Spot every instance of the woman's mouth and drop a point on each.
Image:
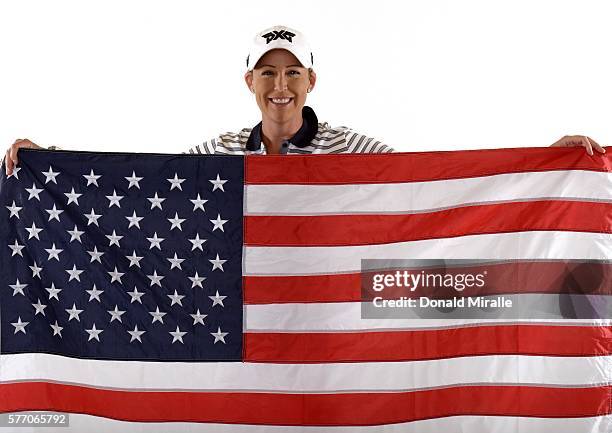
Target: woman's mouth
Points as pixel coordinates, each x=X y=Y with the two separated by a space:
x=280 y=101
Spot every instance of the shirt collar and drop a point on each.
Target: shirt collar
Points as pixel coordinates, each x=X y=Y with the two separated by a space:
x=302 y=137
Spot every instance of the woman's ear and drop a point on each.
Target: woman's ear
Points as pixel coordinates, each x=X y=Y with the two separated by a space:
x=312 y=77
x=248 y=79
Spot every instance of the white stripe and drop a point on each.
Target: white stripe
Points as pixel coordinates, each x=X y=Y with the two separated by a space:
x=455 y=424
x=346 y=316
x=504 y=246
x=309 y=378
x=420 y=196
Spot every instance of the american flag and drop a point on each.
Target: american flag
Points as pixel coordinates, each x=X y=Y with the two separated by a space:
x=222 y=293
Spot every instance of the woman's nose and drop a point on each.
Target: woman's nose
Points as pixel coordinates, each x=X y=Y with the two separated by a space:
x=280 y=83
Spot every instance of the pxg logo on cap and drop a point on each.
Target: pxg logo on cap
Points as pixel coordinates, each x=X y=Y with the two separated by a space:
x=280 y=37
x=278 y=34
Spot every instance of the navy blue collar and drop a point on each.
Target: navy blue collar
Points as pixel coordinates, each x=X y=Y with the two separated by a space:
x=302 y=137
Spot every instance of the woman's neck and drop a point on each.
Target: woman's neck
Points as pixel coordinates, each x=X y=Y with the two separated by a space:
x=273 y=134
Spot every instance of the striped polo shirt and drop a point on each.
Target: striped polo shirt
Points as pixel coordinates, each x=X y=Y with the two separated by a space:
x=312 y=137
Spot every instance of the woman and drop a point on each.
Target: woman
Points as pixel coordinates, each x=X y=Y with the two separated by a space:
x=280 y=74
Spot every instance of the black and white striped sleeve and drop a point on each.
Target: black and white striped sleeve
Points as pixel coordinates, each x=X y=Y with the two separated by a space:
x=358 y=143
x=207 y=147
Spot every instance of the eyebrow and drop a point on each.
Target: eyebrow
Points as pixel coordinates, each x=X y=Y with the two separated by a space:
x=290 y=66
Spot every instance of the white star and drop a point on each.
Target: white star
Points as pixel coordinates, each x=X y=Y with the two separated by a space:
x=156 y=201
x=174 y=262
x=36 y=270
x=176 y=222
x=217 y=299
x=176 y=298
x=73 y=197
x=54 y=213
x=53 y=291
x=75 y=234
x=34 y=192
x=114 y=199
x=18 y=287
x=219 y=336
x=155 y=241
x=40 y=308
x=176 y=335
x=136 y=295
x=157 y=316
x=134 y=259
x=115 y=314
x=95 y=255
x=16 y=248
x=218 y=223
x=53 y=252
x=136 y=334
x=175 y=182
x=155 y=279
x=50 y=175
x=92 y=178
x=134 y=220
x=94 y=333
x=198 y=318
x=197 y=242
x=94 y=293
x=57 y=330
x=217 y=263
x=33 y=231
x=74 y=313
x=217 y=183
x=14 y=173
x=20 y=326
x=196 y=280
x=92 y=218
x=114 y=239
x=133 y=180
x=14 y=210
x=74 y=274
x=198 y=203
x=115 y=275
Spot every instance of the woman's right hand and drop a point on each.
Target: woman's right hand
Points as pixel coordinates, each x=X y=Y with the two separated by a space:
x=10 y=159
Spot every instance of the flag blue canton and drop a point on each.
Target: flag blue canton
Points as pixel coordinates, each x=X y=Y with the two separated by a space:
x=122 y=256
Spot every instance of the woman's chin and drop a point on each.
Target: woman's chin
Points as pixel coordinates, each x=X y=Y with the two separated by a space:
x=283 y=113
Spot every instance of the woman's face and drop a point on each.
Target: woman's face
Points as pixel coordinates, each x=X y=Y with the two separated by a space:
x=280 y=84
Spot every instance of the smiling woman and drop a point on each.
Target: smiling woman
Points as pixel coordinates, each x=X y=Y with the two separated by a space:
x=280 y=74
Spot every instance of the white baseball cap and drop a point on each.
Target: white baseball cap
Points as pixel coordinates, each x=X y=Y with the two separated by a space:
x=281 y=37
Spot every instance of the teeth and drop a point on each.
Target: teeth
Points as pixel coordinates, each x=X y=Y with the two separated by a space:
x=281 y=100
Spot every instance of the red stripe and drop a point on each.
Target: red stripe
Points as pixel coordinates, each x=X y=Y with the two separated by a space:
x=554 y=277
x=306 y=288
x=337 y=230
x=416 y=345
x=418 y=166
x=308 y=409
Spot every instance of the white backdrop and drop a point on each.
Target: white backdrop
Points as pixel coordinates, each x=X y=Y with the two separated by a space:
x=160 y=76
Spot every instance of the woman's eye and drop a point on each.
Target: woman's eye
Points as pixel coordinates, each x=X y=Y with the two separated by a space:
x=266 y=73
x=294 y=72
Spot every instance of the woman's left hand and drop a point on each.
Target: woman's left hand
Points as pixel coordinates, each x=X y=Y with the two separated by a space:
x=579 y=140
